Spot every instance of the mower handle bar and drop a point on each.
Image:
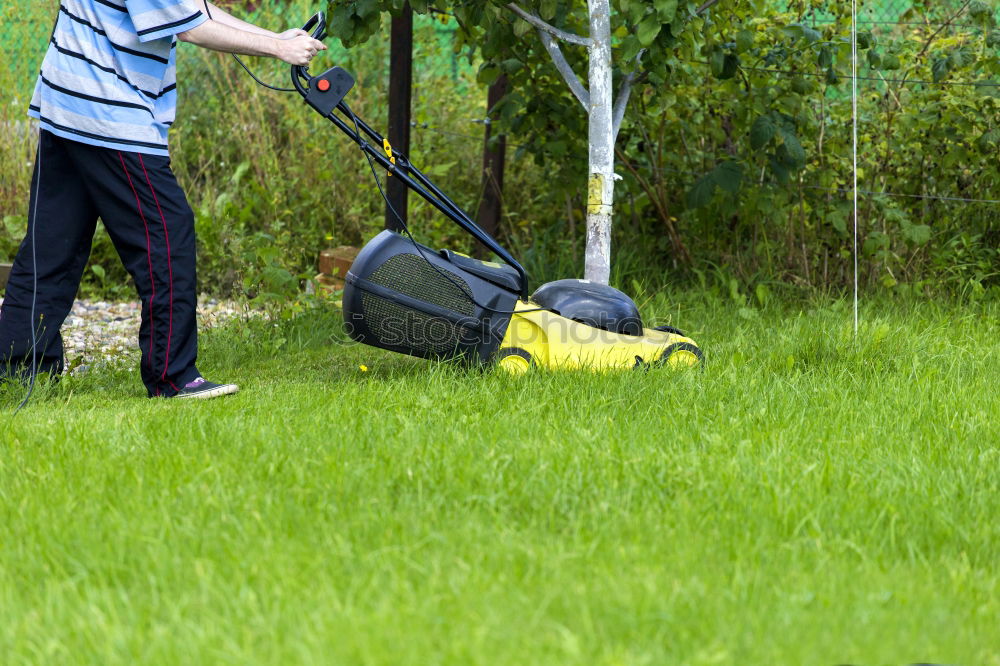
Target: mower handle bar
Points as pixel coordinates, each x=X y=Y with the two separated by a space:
x=415 y=179
x=408 y=174
x=319 y=21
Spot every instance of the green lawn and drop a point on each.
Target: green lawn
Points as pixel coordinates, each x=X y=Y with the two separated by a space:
x=804 y=500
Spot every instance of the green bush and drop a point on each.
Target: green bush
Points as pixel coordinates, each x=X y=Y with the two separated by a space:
x=744 y=161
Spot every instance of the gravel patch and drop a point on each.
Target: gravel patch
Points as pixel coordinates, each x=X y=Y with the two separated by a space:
x=98 y=332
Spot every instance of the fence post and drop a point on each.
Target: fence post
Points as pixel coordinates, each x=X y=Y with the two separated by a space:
x=400 y=94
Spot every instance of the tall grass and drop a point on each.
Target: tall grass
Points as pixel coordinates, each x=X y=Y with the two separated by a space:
x=806 y=498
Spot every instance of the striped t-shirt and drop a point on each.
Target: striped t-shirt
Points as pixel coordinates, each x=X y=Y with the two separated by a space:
x=109 y=76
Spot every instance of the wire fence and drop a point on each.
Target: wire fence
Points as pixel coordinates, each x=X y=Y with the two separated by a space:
x=24 y=37
x=887 y=12
x=26 y=24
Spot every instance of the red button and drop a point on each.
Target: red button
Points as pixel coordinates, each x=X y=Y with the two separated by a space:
x=323 y=85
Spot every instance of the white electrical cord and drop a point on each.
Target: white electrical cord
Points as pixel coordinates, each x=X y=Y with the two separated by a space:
x=854 y=101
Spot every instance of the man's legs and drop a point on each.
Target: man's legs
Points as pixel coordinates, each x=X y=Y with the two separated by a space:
x=152 y=226
x=63 y=232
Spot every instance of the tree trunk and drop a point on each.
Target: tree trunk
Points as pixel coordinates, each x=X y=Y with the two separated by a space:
x=490 y=206
x=400 y=94
x=601 y=185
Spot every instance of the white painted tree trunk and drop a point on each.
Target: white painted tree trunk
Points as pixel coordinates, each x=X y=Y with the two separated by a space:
x=600 y=192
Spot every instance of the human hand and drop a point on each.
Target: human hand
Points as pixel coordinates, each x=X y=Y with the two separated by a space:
x=294 y=32
x=299 y=49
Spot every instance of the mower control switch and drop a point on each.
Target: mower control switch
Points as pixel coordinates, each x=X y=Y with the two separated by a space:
x=328 y=90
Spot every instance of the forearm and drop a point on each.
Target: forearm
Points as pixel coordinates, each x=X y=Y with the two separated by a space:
x=218 y=36
x=232 y=35
x=225 y=18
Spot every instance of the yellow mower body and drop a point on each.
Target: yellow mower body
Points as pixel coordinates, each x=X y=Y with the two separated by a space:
x=542 y=338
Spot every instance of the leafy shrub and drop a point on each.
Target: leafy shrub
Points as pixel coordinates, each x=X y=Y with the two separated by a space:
x=757 y=126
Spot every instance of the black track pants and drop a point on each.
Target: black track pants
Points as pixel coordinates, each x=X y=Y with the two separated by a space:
x=152 y=227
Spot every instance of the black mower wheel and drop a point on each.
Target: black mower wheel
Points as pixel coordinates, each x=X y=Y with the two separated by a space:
x=681 y=354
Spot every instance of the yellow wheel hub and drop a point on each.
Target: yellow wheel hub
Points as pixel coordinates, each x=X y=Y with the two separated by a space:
x=682 y=359
x=516 y=361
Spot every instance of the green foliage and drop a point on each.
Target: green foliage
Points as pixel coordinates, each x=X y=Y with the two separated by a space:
x=10 y=234
x=784 y=116
x=748 y=90
x=735 y=150
x=550 y=124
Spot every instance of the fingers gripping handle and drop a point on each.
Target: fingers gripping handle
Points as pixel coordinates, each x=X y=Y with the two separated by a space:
x=318 y=26
x=318 y=21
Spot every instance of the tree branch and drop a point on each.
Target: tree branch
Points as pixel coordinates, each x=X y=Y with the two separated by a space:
x=570 y=37
x=620 y=103
x=708 y=4
x=954 y=17
x=565 y=69
x=624 y=92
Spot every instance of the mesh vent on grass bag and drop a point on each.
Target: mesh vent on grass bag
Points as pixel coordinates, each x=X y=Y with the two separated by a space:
x=400 y=326
x=409 y=274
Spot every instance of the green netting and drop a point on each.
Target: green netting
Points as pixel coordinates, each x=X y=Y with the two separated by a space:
x=24 y=31
x=904 y=11
x=25 y=26
x=886 y=13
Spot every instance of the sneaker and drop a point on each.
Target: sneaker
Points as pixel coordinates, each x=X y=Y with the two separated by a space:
x=202 y=389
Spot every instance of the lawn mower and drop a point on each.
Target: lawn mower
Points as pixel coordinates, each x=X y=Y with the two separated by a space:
x=408 y=298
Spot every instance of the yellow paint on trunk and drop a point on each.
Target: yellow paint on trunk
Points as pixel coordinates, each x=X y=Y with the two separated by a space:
x=596 y=205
